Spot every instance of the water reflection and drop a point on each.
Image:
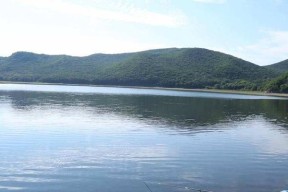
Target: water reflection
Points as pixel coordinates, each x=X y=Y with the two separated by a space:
x=188 y=112
x=95 y=142
x=124 y=91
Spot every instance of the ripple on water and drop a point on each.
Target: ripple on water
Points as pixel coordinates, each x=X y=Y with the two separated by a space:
x=87 y=142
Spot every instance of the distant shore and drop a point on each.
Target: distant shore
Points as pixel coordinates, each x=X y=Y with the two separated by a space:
x=241 y=92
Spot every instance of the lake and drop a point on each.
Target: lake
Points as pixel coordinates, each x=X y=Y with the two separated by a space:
x=102 y=139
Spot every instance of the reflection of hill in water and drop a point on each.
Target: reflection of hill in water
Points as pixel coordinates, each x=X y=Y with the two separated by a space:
x=183 y=111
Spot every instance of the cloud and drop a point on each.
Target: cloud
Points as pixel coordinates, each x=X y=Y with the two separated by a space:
x=70 y=43
x=62 y=27
x=210 y=1
x=119 y=12
x=272 y=48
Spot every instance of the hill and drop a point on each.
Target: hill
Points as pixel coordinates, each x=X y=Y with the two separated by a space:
x=278 y=85
x=186 y=67
x=281 y=67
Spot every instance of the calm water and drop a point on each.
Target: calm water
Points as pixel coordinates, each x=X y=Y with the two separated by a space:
x=99 y=139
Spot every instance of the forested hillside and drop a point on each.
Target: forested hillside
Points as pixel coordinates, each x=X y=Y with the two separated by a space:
x=187 y=68
x=280 y=67
x=278 y=85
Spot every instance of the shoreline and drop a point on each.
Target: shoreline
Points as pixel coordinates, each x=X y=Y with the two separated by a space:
x=224 y=91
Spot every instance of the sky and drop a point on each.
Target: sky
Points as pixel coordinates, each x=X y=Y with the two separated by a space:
x=254 y=30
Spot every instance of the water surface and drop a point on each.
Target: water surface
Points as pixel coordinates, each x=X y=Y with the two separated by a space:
x=74 y=138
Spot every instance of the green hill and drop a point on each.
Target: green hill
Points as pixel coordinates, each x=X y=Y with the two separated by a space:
x=187 y=68
x=278 y=85
x=281 y=67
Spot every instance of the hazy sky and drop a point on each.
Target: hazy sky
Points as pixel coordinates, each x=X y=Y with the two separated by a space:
x=255 y=30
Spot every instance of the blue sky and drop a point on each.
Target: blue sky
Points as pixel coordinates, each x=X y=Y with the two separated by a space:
x=255 y=30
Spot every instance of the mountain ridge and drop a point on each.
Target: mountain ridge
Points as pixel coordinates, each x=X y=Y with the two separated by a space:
x=284 y=62
x=280 y=67
x=170 y=67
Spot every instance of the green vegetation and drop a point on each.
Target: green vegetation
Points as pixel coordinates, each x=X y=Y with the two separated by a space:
x=183 y=68
x=280 y=67
x=278 y=85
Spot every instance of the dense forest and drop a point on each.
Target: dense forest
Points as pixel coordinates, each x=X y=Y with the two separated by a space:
x=280 y=67
x=185 y=68
x=278 y=85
